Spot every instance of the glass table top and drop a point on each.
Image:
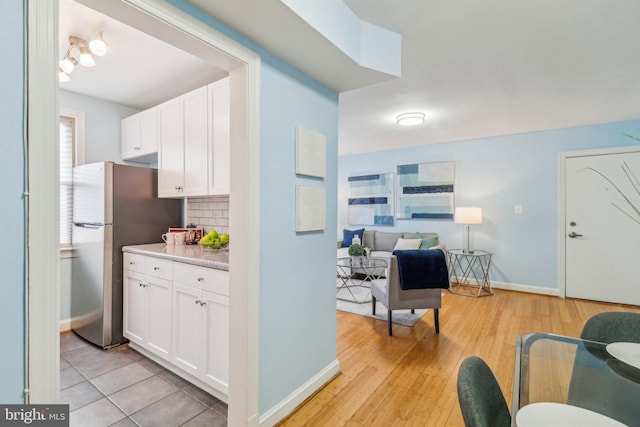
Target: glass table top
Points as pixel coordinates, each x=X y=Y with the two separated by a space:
x=555 y=368
x=371 y=262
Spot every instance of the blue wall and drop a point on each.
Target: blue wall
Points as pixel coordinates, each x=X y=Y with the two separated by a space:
x=12 y=270
x=497 y=174
x=297 y=271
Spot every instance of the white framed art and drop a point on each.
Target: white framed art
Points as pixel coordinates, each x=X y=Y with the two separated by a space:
x=310 y=153
x=425 y=190
x=371 y=199
x=310 y=208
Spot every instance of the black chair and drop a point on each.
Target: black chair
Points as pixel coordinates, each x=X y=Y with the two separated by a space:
x=480 y=396
x=612 y=327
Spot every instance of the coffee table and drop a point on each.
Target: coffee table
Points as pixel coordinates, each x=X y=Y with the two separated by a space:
x=371 y=268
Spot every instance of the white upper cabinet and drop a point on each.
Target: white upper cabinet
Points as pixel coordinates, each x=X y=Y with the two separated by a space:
x=139 y=136
x=171 y=150
x=219 y=137
x=193 y=157
x=196 y=137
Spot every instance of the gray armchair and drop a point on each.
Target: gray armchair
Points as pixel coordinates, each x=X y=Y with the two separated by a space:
x=388 y=291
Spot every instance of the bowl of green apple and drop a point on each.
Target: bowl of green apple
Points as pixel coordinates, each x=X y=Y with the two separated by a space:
x=215 y=241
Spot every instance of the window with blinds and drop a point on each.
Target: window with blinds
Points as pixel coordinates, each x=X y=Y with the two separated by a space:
x=67 y=161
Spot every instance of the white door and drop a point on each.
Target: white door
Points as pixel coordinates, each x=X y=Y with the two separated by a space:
x=602 y=226
x=187 y=327
x=159 y=301
x=219 y=137
x=196 y=139
x=216 y=341
x=135 y=307
x=170 y=149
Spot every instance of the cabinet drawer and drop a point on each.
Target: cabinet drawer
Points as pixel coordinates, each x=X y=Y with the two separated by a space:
x=209 y=279
x=134 y=262
x=160 y=268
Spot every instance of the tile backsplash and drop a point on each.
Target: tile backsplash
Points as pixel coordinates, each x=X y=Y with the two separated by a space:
x=211 y=212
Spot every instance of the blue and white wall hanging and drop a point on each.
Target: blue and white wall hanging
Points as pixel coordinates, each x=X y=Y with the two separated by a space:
x=371 y=199
x=425 y=191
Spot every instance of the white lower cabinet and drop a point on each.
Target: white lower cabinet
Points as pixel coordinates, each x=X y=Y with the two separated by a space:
x=180 y=312
x=201 y=324
x=147 y=300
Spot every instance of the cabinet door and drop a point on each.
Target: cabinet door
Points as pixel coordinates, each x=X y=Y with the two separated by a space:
x=196 y=131
x=215 y=362
x=159 y=303
x=149 y=132
x=130 y=137
x=187 y=320
x=219 y=137
x=170 y=153
x=135 y=307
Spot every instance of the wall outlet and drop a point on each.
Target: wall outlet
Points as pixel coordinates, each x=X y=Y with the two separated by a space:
x=517 y=209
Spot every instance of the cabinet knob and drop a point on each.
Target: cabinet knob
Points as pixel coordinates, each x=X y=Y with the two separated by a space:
x=200 y=279
x=203 y=303
x=198 y=301
x=136 y=148
x=132 y=263
x=156 y=268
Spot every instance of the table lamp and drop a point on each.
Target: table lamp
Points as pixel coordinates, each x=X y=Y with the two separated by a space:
x=467 y=216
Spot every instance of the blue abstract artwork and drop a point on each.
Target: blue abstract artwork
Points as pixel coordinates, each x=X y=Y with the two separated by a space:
x=371 y=199
x=425 y=191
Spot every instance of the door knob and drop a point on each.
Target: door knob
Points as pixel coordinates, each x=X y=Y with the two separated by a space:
x=574 y=234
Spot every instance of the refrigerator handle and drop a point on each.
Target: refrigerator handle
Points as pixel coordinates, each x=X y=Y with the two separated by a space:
x=90 y=224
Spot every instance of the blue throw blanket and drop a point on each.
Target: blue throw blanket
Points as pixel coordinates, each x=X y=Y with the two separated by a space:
x=422 y=269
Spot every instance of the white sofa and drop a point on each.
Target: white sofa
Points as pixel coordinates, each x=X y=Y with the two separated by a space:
x=382 y=244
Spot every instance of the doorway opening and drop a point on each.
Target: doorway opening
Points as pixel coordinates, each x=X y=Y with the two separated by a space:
x=186 y=32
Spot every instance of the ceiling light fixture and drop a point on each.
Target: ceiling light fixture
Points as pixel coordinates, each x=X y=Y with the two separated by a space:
x=83 y=50
x=410 y=119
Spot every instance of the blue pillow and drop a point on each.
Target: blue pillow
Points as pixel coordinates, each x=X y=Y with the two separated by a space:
x=348 y=235
x=427 y=242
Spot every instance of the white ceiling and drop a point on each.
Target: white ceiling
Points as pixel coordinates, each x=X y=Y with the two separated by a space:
x=476 y=69
x=138 y=70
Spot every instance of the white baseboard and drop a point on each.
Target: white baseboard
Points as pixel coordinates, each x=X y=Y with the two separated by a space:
x=291 y=402
x=525 y=288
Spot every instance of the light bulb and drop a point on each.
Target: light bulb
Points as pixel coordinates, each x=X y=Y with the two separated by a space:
x=86 y=60
x=98 y=46
x=68 y=64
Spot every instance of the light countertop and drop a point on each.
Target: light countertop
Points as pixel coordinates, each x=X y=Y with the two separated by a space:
x=189 y=254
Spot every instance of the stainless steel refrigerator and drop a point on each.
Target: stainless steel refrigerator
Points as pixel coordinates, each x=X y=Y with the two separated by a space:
x=113 y=206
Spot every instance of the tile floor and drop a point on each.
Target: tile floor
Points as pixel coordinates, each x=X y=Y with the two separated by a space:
x=120 y=387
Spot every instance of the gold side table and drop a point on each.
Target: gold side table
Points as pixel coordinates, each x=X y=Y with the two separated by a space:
x=469 y=272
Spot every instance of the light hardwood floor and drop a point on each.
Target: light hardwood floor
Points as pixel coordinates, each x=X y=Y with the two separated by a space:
x=410 y=379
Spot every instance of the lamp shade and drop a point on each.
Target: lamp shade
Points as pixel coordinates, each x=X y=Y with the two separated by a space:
x=86 y=60
x=98 y=46
x=468 y=215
